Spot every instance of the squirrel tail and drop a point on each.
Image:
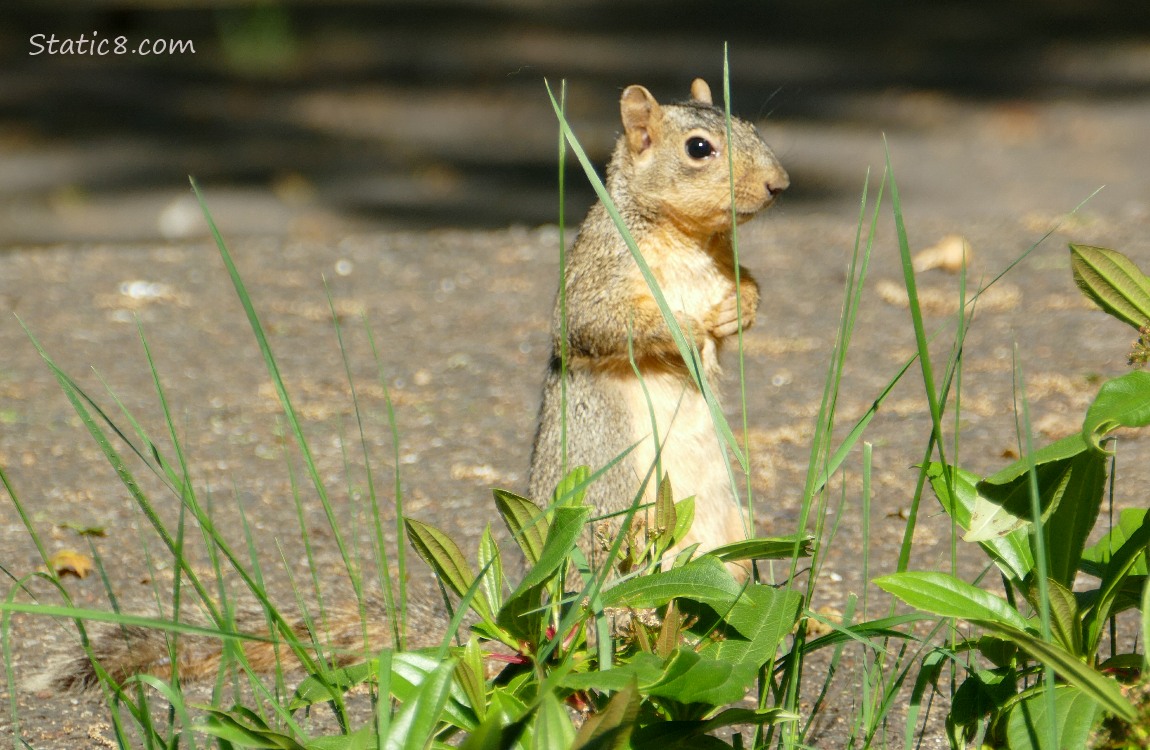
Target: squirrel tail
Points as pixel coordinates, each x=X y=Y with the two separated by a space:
x=127 y=650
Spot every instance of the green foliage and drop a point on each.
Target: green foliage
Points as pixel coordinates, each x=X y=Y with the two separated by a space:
x=1112 y=282
x=648 y=652
x=643 y=652
x=1116 y=285
x=1046 y=503
x=688 y=641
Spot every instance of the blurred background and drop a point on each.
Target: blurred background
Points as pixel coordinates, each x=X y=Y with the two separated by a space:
x=314 y=118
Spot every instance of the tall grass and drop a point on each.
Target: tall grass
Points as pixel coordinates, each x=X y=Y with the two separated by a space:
x=890 y=651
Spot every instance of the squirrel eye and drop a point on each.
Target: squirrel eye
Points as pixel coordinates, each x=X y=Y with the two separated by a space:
x=699 y=148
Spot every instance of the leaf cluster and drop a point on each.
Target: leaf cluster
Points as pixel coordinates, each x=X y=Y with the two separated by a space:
x=1033 y=519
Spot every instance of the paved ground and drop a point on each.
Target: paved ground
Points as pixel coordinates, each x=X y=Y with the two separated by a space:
x=460 y=319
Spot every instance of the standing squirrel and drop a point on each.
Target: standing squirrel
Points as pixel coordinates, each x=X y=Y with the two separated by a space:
x=670 y=180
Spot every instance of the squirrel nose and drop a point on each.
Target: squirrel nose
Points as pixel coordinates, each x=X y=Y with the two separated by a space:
x=777 y=184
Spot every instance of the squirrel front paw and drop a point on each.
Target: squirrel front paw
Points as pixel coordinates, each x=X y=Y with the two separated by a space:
x=725 y=316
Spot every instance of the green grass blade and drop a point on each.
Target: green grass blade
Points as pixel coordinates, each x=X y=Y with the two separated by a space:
x=400 y=614
x=380 y=543
x=277 y=380
x=923 y=350
x=749 y=499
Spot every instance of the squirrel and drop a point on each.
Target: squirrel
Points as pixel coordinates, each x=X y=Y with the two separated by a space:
x=669 y=178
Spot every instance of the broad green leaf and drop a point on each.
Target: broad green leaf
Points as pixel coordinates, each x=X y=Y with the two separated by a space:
x=643 y=669
x=411 y=669
x=1074 y=515
x=1010 y=552
x=1070 y=479
x=983 y=692
x=469 y=674
x=1114 y=577
x=762 y=617
x=1098 y=554
x=572 y=488
x=704 y=579
x=766 y=548
x=490 y=563
x=243 y=727
x=507 y=719
x=1068 y=447
x=406 y=672
x=497 y=732
x=566 y=526
x=672 y=735
x=553 y=727
x=1113 y=282
x=947 y=596
x=675 y=735
x=689 y=677
x=1127 y=664
x=611 y=728
x=684 y=518
x=1075 y=712
x=1063 y=616
x=686 y=677
x=1121 y=402
x=1000 y=509
x=419 y=717
x=522 y=616
x=1069 y=667
x=317 y=688
x=444 y=556
x=526 y=522
x=732 y=716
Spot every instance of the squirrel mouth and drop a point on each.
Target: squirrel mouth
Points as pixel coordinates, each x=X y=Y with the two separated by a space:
x=743 y=214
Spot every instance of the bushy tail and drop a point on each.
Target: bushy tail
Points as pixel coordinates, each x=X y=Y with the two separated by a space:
x=122 y=651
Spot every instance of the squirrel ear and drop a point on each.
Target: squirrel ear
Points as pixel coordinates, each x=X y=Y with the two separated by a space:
x=641 y=117
x=700 y=91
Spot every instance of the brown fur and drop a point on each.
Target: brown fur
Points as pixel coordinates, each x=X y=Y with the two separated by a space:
x=132 y=650
x=678 y=209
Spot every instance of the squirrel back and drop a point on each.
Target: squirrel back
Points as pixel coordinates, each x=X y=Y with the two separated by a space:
x=627 y=386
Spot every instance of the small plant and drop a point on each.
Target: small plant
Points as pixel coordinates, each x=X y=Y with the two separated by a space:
x=677 y=645
x=1043 y=681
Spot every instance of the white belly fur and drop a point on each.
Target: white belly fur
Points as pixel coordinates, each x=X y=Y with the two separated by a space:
x=692 y=455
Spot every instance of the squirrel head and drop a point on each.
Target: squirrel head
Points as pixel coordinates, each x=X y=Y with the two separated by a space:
x=672 y=161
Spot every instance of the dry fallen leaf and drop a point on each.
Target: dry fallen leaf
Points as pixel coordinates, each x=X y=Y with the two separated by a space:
x=950 y=254
x=70 y=562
